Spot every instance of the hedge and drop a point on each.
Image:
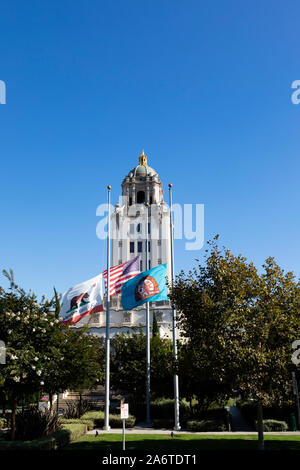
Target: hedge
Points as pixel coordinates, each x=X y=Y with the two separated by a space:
x=89 y=422
x=273 y=425
x=206 y=425
x=57 y=440
x=163 y=423
x=114 y=420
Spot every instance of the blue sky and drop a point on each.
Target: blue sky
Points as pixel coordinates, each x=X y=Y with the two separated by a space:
x=203 y=87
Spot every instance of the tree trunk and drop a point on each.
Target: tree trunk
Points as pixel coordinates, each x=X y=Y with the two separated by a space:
x=51 y=402
x=13 y=419
x=260 y=427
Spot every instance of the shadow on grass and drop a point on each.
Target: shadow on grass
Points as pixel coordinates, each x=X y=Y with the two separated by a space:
x=158 y=443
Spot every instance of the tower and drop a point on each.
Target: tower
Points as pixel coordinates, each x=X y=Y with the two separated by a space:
x=140 y=186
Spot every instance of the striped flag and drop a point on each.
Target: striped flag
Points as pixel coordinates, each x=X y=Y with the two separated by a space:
x=121 y=273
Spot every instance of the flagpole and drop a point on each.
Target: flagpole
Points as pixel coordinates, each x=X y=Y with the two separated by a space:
x=148 y=418
x=106 y=426
x=175 y=377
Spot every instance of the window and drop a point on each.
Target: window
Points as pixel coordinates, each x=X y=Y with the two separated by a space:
x=149 y=227
x=130 y=201
x=140 y=247
x=140 y=197
x=149 y=264
x=159 y=242
x=120 y=243
x=141 y=265
x=151 y=200
x=159 y=261
x=120 y=261
x=131 y=249
x=138 y=227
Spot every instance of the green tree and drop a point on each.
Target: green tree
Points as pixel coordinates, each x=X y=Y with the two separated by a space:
x=128 y=365
x=238 y=328
x=42 y=353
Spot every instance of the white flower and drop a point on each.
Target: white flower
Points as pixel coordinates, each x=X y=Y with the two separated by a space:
x=13 y=357
x=42 y=383
x=36 y=358
x=33 y=329
x=9 y=332
x=16 y=379
x=43 y=330
x=39 y=372
x=33 y=367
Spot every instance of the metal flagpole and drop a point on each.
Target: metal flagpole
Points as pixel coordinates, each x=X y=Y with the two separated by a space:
x=148 y=418
x=175 y=378
x=107 y=339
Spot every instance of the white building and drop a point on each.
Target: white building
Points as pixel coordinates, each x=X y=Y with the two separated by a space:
x=129 y=224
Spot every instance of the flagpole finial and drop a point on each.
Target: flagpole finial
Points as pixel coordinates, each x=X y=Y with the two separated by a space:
x=147 y=204
x=109 y=187
x=170 y=185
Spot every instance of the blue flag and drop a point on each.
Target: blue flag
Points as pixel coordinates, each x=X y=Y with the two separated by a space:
x=149 y=286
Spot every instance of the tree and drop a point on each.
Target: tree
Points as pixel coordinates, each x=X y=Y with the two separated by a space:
x=128 y=365
x=238 y=328
x=42 y=353
x=155 y=328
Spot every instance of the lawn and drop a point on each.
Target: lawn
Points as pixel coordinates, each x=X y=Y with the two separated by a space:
x=182 y=442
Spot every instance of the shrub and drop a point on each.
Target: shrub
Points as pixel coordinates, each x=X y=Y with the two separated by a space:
x=273 y=425
x=35 y=423
x=114 y=420
x=57 y=440
x=89 y=422
x=3 y=423
x=206 y=425
x=76 y=408
x=163 y=423
x=68 y=433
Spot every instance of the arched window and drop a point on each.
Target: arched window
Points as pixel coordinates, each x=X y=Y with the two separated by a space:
x=140 y=197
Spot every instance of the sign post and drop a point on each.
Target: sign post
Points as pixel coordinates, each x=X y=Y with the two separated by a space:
x=124 y=415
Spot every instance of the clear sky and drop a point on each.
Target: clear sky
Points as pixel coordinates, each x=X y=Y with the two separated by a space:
x=203 y=87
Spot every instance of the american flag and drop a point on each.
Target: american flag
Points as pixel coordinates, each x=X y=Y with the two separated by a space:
x=120 y=274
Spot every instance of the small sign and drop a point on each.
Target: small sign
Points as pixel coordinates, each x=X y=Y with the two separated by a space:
x=124 y=411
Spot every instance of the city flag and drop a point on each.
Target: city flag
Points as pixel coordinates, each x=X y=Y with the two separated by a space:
x=149 y=286
x=82 y=300
x=121 y=273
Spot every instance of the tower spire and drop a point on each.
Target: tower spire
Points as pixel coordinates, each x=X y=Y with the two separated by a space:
x=143 y=159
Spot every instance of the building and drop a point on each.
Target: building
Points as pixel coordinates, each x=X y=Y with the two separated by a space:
x=129 y=225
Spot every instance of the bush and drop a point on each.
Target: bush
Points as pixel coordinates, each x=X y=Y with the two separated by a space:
x=57 y=440
x=3 y=423
x=89 y=422
x=206 y=425
x=35 y=423
x=114 y=420
x=163 y=423
x=273 y=425
x=76 y=408
x=161 y=408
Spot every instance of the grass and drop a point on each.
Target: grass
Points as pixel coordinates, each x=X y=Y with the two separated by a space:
x=182 y=442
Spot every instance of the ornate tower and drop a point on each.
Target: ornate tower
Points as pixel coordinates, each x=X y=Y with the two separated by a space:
x=142 y=185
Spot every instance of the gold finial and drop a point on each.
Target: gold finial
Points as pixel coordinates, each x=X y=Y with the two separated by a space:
x=143 y=159
x=147 y=204
x=170 y=185
x=109 y=187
